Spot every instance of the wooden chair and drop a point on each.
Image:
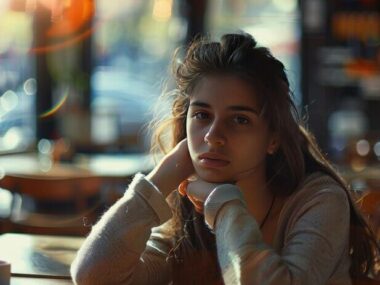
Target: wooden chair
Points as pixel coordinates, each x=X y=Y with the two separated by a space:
x=365 y=281
x=369 y=205
x=62 y=206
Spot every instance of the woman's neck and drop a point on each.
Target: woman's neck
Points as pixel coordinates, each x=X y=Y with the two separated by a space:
x=257 y=194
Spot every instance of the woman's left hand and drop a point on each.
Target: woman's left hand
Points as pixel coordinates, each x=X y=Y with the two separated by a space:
x=197 y=190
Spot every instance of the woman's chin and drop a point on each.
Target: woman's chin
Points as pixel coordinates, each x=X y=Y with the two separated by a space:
x=213 y=177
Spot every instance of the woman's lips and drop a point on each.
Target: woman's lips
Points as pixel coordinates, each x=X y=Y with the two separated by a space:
x=213 y=163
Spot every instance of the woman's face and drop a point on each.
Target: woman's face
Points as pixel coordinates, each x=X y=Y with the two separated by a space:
x=227 y=138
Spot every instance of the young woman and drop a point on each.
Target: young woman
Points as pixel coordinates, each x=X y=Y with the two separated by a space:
x=250 y=199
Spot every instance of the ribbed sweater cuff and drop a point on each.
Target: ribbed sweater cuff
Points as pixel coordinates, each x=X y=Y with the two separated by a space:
x=217 y=198
x=150 y=193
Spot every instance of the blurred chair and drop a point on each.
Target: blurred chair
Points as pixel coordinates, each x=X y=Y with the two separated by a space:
x=369 y=205
x=56 y=206
x=365 y=281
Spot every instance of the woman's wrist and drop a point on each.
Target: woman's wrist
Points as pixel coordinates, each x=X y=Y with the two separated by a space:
x=155 y=179
x=218 y=198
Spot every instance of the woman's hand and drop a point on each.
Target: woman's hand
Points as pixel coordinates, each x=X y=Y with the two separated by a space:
x=197 y=190
x=175 y=167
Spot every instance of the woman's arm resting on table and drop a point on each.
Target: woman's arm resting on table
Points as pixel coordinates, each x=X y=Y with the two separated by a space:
x=116 y=250
x=314 y=243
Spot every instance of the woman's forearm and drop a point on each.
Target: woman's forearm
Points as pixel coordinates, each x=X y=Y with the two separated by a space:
x=313 y=245
x=112 y=251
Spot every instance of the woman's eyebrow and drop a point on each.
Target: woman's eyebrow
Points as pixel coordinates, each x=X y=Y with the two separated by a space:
x=232 y=108
x=200 y=104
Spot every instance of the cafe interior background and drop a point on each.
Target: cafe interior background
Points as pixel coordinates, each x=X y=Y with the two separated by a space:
x=79 y=81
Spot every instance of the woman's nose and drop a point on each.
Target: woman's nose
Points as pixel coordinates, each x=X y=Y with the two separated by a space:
x=215 y=135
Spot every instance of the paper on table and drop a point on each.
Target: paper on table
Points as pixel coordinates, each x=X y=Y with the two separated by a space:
x=35 y=255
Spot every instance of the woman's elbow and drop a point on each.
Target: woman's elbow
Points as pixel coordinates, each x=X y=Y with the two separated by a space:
x=83 y=275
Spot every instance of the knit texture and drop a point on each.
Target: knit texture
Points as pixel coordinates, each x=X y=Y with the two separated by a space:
x=131 y=242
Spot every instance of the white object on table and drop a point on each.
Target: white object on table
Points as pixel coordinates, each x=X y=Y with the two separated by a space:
x=5 y=273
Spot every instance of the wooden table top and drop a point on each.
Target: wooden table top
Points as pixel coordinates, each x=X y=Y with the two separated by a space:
x=39 y=258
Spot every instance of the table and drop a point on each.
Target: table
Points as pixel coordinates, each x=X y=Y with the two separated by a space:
x=38 y=259
x=113 y=173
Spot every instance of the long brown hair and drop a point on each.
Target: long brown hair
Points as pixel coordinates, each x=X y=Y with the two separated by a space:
x=297 y=156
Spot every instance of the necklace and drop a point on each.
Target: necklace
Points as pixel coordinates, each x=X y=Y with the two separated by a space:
x=268 y=212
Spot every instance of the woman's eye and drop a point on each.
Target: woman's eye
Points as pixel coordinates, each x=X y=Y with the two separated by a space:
x=241 y=120
x=200 y=115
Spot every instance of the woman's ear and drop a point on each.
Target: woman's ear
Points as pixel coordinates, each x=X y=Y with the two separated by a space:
x=274 y=144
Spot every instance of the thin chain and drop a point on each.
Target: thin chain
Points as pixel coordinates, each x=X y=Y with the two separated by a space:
x=268 y=212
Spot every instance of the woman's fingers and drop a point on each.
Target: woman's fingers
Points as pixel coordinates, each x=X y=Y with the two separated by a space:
x=182 y=188
x=173 y=168
x=198 y=205
x=197 y=190
x=200 y=189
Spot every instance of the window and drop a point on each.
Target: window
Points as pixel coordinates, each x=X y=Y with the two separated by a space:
x=17 y=79
x=132 y=46
x=273 y=24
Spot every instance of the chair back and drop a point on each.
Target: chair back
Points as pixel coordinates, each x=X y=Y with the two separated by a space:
x=57 y=205
x=58 y=189
x=369 y=205
x=72 y=189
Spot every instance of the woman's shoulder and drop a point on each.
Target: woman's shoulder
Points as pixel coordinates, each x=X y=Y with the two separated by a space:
x=318 y=187
x=318 y=183
x=318 y=195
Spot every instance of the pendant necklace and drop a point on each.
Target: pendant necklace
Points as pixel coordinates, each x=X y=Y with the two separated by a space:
x=268 y=212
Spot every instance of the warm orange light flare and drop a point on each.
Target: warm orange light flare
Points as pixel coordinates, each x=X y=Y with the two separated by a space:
x=64 y=44
x=68 y=19
x=69 y=16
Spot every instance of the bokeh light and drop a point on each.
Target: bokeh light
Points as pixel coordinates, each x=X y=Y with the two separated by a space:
x=162 y=10
x=13 y=138
x=30 y=86
x=9 y=100
x=376 y=149
x=362 y=147
x=285 y=5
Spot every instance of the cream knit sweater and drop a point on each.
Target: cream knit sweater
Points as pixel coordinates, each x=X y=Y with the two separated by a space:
x=129 y=245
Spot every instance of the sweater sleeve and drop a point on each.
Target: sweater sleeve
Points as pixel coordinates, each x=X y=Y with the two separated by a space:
x=128 y=245
x=316 y=239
